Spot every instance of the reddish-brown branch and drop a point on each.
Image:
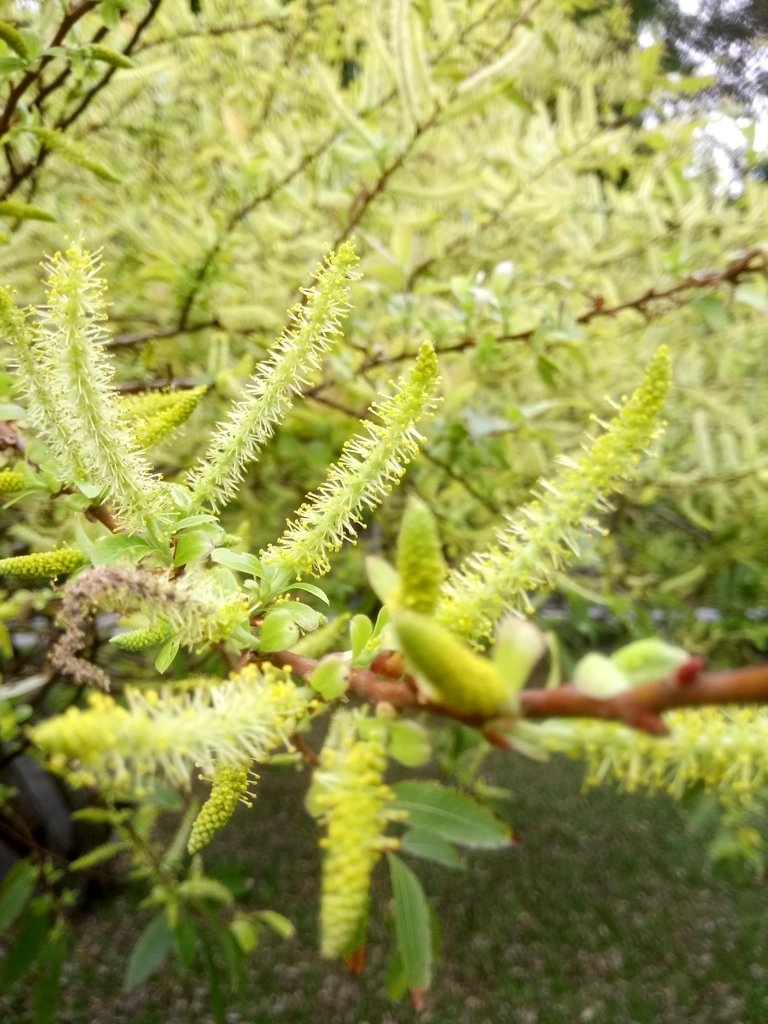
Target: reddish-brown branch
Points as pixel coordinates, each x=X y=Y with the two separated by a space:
x=363 y=682
x=640 y=708
x=753 y=261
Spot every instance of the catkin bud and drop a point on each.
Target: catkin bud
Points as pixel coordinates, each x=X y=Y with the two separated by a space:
x=140 y=639
x=420 y=562
x=230 y=786
x=24 y=211
x=114 y=58
x=13 y=38
x=45 y=565
x=11 y=481
x=456 y=677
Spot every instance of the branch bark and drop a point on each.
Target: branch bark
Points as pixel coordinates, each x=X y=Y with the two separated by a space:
x=639 y=708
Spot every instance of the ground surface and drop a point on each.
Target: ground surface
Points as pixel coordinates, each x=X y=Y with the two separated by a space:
x=606 y=912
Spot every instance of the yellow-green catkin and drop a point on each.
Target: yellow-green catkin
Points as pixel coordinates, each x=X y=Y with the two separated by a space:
x=152 y=421
x=353 y=803
x=420 y=562
x=45 y=565
x=140 y=639
x=456 y=677
x=370 y=464
x=243 y=718
x=724 y=751
x=544 y=534
x=230 y=787
x=12 y=481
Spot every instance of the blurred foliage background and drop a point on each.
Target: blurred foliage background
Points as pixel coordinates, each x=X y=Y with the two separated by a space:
x=534 y=186
x=512 y=173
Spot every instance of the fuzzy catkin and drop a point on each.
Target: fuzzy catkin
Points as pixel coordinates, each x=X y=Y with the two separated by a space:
x=46 y=565
x=353 y=802
x=12 y=481
x=370 y=464
x=543 y=535
x=230 y=787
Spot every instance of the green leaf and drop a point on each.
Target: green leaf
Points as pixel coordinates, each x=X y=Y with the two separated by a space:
x=382 y=577
x=305 y=617
x=330 y=678
x=548 y=371
x=16 y=890
x=11 y=64
x=151 y=949
x=192 y=545
x=215 y=994
x=645 y=661
x=397 y=982
x=165 y=656
x=6 y=643
x=234 y=957
x=598 y=676
x=751 y=295
x=428 y=846
x=198 y=519
x=185 y=940
x=245 y=932
x=278 y=631
x=310 y=588
x=119 y=547
x=360 y=632
x=412 y=925
x=25 y=949
x=451 y=815
x=712 y=310
x=49 y=979
x=238 y=561
x=279 y=924
x=409 y=743
x=518 y=646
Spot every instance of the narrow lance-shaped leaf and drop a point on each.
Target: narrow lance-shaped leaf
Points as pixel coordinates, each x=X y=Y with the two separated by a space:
x=451 y=815
x=412 y=926
x=152 y=947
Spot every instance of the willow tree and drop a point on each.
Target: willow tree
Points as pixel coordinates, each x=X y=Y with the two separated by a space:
x=514 y=200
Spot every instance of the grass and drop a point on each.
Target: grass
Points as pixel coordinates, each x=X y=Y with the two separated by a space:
x=606 y=912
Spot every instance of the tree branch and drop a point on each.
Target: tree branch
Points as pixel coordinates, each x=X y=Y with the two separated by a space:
x=753 y=261
x=18 y=176
x=74 y=14
x=639 y=708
